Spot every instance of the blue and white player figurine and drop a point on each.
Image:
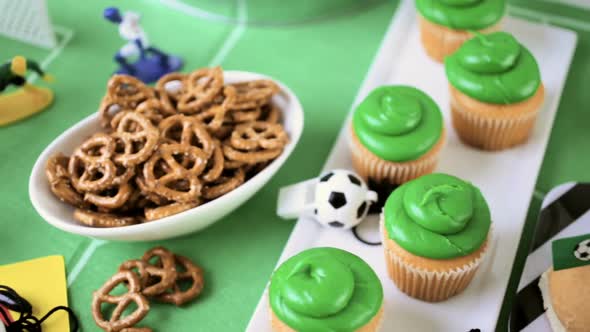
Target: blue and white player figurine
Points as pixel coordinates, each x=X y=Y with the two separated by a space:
x=137 y=57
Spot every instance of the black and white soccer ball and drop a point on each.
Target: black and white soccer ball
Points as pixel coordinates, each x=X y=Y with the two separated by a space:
x=342 y=199
x=582 y=250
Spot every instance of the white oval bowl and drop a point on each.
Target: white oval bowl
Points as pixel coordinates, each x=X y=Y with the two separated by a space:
x=60 y=214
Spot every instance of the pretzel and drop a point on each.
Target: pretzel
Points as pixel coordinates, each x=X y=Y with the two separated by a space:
x=253 y=94
x=90 y=166
x=91 y=176
x=250 y=157
x=137 y=329
x=213 y=118
x=135 y=139
x=190 y=272
x=258 y=135
x=154 y=111
x=59 y=180
x=111 y=198
x=246 y=115
x=177 y=182
x=223 y=132
x=169 y=98
x=123 y=174
x=116 y=323
x=127 y=91
x=188 y=131
x=99 y=219
x=107 y=109
x=137 y=267
x=97 y=148
x=270 y=113
x=215 y=164
x=252 y=169
x=228 y=181
x=148 y=194
x=203 y=85
x=135 y=202
x=168 y=210
x=162 y=273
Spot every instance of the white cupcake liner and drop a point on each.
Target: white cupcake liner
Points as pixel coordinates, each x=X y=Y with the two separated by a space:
x=369 y=166
x=430 y=286
x=491 y=133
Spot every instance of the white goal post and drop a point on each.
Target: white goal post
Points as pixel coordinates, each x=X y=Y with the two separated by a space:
x=27 y=21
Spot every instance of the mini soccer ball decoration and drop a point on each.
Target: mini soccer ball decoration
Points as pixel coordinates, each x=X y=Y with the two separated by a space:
x=582 y=251
x=342 y=199
x=571 y=252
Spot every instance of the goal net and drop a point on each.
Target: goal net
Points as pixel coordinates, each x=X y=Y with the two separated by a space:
x=27 y=21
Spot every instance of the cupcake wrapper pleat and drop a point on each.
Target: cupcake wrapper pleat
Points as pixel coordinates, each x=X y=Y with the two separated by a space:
x=369 y=166
x=430 y=286
x=497 y=129
x=425 y=285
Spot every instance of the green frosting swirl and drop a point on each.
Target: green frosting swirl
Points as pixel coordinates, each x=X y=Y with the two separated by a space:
x=325 y=289
x=437 y=216
x=462 y=14
x=494 y=68
x=398 y=123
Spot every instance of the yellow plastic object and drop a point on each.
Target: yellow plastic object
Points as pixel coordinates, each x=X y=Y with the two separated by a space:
x=23 y=103
x=42 y=282
x=19 y=65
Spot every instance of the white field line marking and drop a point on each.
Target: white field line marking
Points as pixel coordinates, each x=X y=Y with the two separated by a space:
x=194 y=11
x=233 y=37
x=67 y=35
x=227 y=46
x=549 y=18
x=86 y=255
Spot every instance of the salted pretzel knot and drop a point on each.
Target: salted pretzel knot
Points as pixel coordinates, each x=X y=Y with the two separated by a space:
x=154 y=110
x=171 y=87
x=97 y=148
x=258 y=135
x=191 y=273
x=135 y=137
x=168 y=210
x=216 y=116
x=102 y=220
x=203 y=86
x=164 y=268
x=127 y=91
x=166 y=176
x=186 y=130
x=229 y=180
x=111 y=198
x=56 y=170
x=215 y=164
x=116 y=322
x=90 y=166
x=253 y=94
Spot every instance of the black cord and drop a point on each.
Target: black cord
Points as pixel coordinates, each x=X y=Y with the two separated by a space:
x=355 y=233
x=27 y=322
x=17 y=304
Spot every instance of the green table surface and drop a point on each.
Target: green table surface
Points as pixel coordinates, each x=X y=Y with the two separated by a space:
x=323 y=60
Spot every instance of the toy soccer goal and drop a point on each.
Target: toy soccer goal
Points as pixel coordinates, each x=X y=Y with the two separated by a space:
x=27 y=21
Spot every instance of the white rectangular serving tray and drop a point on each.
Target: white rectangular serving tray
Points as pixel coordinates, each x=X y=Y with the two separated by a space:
x=507 y=179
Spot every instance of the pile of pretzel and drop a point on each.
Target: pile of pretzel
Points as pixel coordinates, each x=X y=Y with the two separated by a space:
x=157 y=275
x=167 y=149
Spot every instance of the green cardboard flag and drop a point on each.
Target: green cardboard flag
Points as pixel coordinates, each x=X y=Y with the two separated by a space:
x=571 y=252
